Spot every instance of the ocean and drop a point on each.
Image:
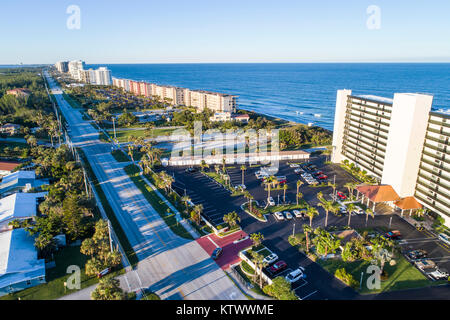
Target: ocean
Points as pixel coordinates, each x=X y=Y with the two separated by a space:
x=302 y=93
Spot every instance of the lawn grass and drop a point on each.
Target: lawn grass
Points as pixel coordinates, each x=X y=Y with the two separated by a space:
x=401 y=276
x=120 y=156
x=129 y=252
x=157 y=203
x=55 y=277
x=122 y=135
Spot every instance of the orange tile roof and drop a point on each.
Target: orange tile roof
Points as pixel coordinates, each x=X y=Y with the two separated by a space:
x=381 y=193
x=408 y=203
x=8 y=166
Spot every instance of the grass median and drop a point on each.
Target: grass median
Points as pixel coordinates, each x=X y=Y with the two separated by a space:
x=131 y=255
x=157 y=203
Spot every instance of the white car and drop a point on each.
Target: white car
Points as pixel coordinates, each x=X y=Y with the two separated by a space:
x=240 y=187
x=438 y=274
x=294 y=165
x=271 y=258
x=358 y=210
x=343 y=209
x=279 y=216
x=288 y=215
x=270 y=201
x=298 y=170
x=444 y=238
x=297 y=214
x=296 y=275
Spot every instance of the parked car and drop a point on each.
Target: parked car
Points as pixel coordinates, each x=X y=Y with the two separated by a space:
x=322 y=177
x=294 y=165
x=298 y=170
x=296 y=275
x=318 y=173
x=103 y=272
x=277 y=267
x=270 y=201
x=297 y=214
x=279 y=216
x=343 y=209
x=417 y=254
x=438 y=274
x=216 y=253
x=191 y=170
x=444 y=238
x=281 y=179
x=341 y=196
x=240 y=187
x=358 y=210
x=271 y=258
x=288 y=215
x=425 y=264
x=393 y=235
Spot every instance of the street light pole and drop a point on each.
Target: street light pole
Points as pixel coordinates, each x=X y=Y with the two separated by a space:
x=293 y=230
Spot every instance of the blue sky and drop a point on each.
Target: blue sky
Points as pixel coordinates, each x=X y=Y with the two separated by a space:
x=224 y=31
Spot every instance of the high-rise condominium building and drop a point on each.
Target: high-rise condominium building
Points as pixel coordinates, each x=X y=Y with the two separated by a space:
x=75 y=67
x=62 y=66
x=392 y=140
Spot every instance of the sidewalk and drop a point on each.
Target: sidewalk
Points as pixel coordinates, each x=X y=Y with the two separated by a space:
x=244 y=289
x=184 y=223
x=427 y=223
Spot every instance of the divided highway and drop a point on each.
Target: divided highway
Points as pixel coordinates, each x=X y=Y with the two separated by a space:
x=172 y=267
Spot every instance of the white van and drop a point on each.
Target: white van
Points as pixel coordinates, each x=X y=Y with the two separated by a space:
x=295 y=275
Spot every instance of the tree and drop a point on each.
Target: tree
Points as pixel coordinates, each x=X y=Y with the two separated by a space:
x=369 y=211
x=320 y=196
x=257 y=238
x=299 y=184
x=328 y=206
x=243 y=168
x=285 y=187
x=350 y=209
x=186 y=199
x=350 y=187
x=307 y=230
x=280 y=289
x=269 y=181
x=108 y=289
x=311 y=212
x=231 y=218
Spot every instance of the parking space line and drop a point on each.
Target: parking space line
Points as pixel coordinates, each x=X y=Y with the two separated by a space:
x=308 y=295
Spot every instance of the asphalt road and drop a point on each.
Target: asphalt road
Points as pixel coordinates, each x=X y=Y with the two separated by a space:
x=172 y=267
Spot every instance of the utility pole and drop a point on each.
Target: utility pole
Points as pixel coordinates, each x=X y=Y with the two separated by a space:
x=293 y=230
x=114 y=126
x=110 y=239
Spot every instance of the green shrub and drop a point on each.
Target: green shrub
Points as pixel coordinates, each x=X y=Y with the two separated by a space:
x=346 y=277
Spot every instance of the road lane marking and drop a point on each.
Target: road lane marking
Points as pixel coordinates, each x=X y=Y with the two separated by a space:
x=213 y=242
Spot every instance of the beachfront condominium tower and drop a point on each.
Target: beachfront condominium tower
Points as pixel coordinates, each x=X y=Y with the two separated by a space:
x=433 y=180
x=75 y=67
x=62 y=66
x=390 y=139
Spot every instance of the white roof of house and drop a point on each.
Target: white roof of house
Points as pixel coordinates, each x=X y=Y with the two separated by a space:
x=18 y=258
x=18 y=206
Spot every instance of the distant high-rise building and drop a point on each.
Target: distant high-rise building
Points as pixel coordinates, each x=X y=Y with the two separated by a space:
x=62 y=66
x=75 y=67
x=103 y=76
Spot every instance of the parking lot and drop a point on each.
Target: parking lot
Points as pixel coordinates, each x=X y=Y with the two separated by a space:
x=318 y=284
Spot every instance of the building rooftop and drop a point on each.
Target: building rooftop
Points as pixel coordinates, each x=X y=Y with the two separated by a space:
x=17 y=179
x=18 y=258
x=380 y=193
x=18 y=206
x=408 y=203
x=376 y=98
x=8 y=166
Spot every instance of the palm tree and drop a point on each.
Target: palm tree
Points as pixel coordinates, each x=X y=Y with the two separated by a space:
x=250 y=198
x=285 y=187
x=311 y=212
x=320 y=196
x=257 y=238
x=243 y=168
x=333 y=185
x=231 y=218
x=420 y=212
x=307 y=230
x=328 y=206
x=269 y=181
x=369 y=211
x=198 y=209
x=299 y=196
x=350 y=187
x=186 y=199
x=299 y=184
x=224 y=162
x=216 y=168
x=350 y=208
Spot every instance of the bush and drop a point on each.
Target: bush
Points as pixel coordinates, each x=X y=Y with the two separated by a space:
x=280 y=289
x=346 y=277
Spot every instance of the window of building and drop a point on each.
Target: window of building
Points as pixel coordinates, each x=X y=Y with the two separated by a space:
x=28 y=282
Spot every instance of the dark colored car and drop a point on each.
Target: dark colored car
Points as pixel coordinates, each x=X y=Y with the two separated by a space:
x=216 y=253
x=341 y=195
x=417 y=254
x=394 y=235
x=190 y=170
x=277 y=267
